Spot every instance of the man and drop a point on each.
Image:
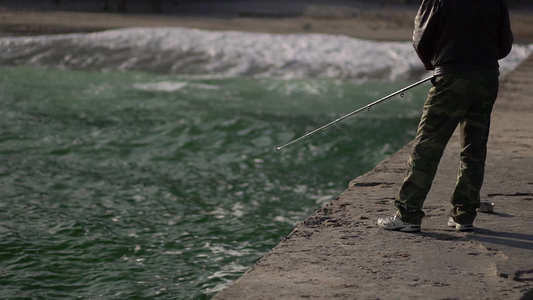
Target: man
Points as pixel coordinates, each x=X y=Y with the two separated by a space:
x=462 y=41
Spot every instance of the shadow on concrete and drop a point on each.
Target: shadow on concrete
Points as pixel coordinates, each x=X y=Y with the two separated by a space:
x=509 y=239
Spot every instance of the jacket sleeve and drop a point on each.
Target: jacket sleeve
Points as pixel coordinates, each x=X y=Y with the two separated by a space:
x=426 y=22
x=506 y=35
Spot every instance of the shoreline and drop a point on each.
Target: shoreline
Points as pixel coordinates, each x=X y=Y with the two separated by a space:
x=367 y=26
x=373 y=24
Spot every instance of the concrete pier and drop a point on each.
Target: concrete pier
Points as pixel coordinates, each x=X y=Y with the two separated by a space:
x=340 y=253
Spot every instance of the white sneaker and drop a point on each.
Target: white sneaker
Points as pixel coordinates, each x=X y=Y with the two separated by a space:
x=460 y=227
x=395 y=223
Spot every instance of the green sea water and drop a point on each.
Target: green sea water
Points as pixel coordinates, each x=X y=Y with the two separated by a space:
x=130 y=185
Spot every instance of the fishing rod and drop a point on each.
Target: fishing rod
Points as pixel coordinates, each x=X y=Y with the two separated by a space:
x=366 y=107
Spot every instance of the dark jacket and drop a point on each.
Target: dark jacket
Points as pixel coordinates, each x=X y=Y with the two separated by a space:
x=462 y=35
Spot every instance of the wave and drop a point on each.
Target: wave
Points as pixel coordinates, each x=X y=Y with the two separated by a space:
x=183 y=51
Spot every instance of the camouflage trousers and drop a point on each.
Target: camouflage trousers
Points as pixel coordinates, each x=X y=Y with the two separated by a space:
x=465 y=99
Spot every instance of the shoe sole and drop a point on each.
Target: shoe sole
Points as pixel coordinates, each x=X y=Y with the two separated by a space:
x=390 y=224
x=463 y=228
x=460 y=227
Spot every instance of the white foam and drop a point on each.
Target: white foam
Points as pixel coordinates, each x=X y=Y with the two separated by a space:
x=164 y=86
x=224 y=54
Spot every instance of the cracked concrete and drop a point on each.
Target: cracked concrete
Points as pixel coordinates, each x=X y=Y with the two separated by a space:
x=340 y=253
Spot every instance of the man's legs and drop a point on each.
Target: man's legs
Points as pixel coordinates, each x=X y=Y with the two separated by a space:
x=474 y=136
x=443 y=111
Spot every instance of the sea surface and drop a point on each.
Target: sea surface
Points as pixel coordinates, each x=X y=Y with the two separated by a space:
x=142 y=163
